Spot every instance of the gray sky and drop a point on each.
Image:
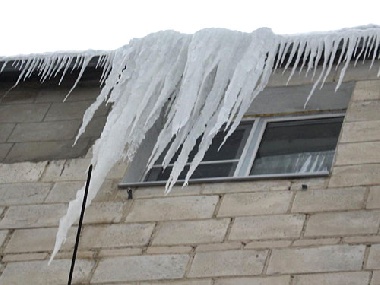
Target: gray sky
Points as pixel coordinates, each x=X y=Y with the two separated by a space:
x=35 y=26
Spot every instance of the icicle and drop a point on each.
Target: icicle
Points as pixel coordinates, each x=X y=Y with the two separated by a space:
x=343 y=51
x=306 y=54
x=377 y=43
x=280 y=52
x=295 y=46
x=352 y=42
x=68 y=62
x=196 y=84
x=86 y=60
x=330 y=53
x=300 y=50
x=4 y=65
x=327 y=50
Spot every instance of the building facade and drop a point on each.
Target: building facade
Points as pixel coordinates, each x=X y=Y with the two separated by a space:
x=267 y=231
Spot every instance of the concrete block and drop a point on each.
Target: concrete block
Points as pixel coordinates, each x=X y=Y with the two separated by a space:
x=45 y=131
x=76 y=169
x=23 y=193
x=268 y=244
x=360 y=131
x=58 y=94
x=355 y=175
x=5 y=130
x=37 y=240
x=32 y=216
x=4 y=150
x=367 y=90
x=311 y=183
x=95 y=127
x=135 y=268
x=219 y=246
x=376 y=278
x=70 y=170
x=228 y=263
x=341 y=278
x=191 y=232
x=67 y=111
x=329 y=200
x=159 y=191
x=315 y=242
x=104 y=212
x=38 y=151
x=20 y=96
x=85 y=92
x=3 y=236
x=251 y=186
x=260 y=203
x=267 y=227
x=373 y=201
x=120 y=252
x=108 y=191
x=21 y=113
x=63 y=192
x=358 y=153
x=117 y=171
x=24 y=257
x=119 y=235
x=168 y=249
x=363 y=111
x=343 y=223
x=173 y=208
x=362 y=239
x=274 y=280
x=31 y=240
x=38 y=272
x=21 y=172
x=373 y=261
x=51 y=94
x=183 y=282
x=81 y=254
x=318 y=259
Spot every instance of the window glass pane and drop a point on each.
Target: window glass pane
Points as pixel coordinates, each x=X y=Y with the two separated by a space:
x=305 y=146
x=231 y=149
x=203 y=171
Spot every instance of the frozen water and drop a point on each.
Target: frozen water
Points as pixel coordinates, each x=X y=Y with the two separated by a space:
x=200 y=83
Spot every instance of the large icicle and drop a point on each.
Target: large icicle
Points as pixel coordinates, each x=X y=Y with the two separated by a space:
x=199 y=84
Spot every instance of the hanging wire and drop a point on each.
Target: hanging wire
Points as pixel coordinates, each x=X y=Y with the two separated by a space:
x=80 y=225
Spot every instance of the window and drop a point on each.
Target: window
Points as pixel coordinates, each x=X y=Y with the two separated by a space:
x=216 y=162
x=264 y=147
x=297 y=146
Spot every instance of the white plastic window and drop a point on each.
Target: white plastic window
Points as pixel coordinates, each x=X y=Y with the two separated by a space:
x=263 y=147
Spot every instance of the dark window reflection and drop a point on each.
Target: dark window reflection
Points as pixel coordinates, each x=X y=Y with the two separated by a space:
x=297 y=146
x=231 y=149
x=202 y=171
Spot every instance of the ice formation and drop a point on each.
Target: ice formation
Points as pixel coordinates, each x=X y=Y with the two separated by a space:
x=201 y=83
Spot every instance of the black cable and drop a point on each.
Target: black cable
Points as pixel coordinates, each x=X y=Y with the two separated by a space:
x=80 y=225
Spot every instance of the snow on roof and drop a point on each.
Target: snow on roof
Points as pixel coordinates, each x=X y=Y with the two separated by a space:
x=210 y=79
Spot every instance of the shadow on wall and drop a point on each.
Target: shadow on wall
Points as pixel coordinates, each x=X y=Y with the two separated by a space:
x=35 y=123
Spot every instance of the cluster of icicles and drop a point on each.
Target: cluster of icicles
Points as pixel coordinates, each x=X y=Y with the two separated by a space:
x=201 y=83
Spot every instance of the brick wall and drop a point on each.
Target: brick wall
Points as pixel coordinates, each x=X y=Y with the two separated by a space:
x=261 y=232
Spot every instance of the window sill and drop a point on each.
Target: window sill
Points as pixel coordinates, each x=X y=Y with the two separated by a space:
x=126 y=185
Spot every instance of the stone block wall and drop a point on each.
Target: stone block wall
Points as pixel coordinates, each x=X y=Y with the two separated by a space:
x=268 y=232
x=35 y=123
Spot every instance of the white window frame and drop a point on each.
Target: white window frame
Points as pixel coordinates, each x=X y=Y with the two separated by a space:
x=248 y=156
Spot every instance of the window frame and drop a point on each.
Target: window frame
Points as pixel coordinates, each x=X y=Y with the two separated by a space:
x=249 y=152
